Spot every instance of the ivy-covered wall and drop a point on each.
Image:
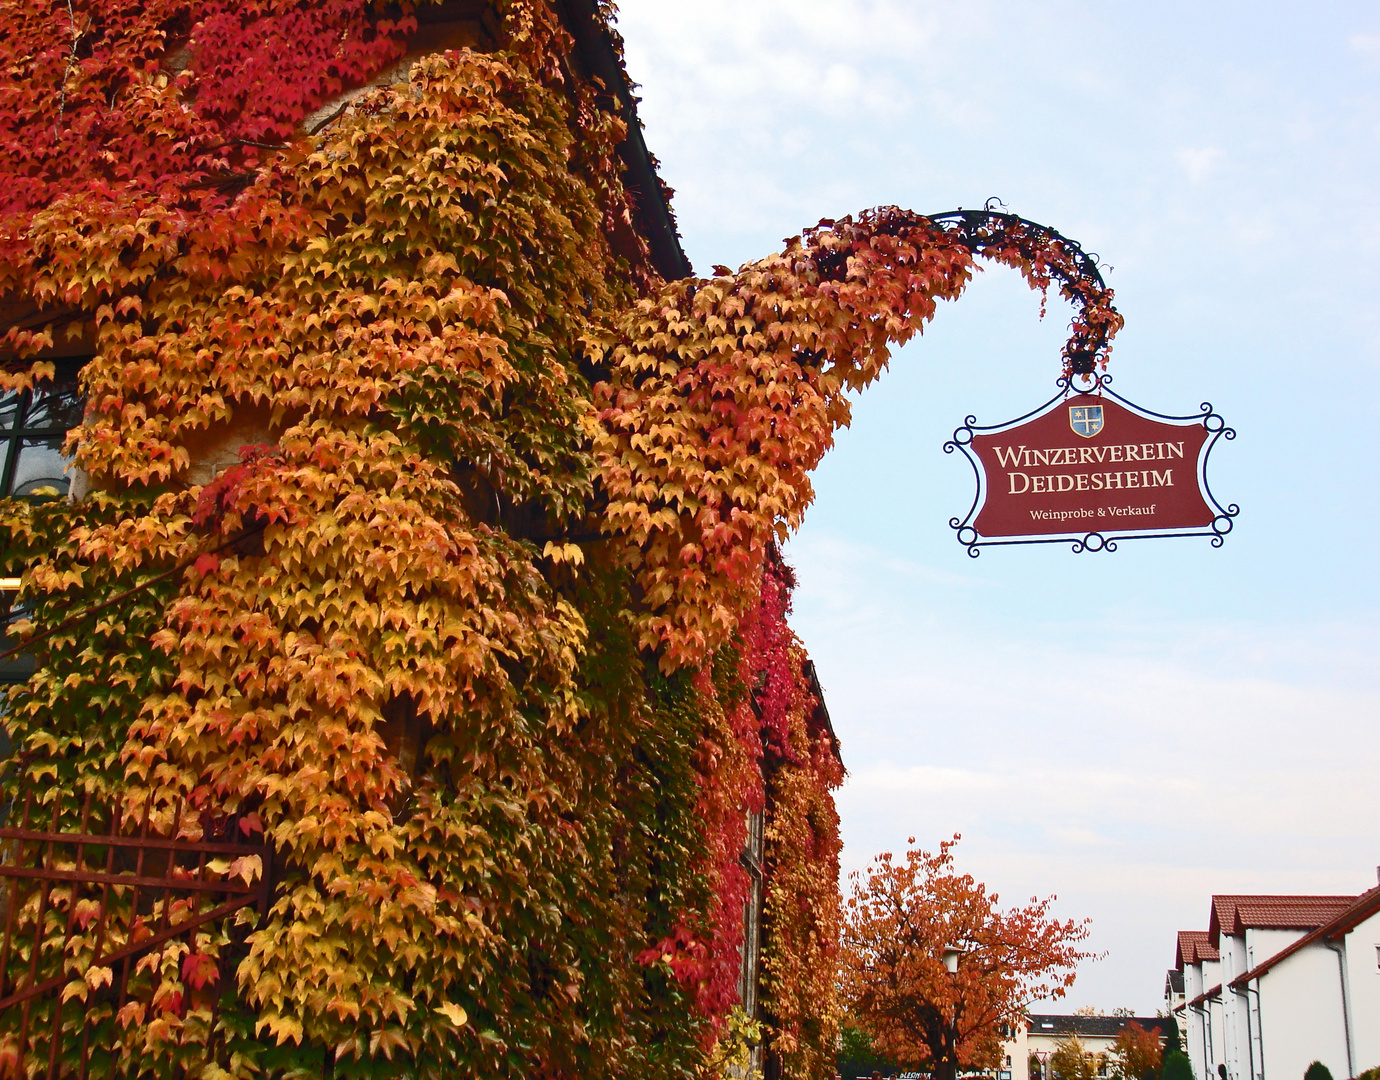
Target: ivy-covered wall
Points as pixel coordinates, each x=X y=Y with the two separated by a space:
x=497 y=661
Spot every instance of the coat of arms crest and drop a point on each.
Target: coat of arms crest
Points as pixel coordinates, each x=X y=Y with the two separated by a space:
x=1086 y=420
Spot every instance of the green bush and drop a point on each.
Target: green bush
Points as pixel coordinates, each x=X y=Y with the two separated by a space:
x=857 y=1057
x=1317 y=1071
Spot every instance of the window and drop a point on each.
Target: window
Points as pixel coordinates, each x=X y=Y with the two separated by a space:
x=33 y=425
x=32 y=428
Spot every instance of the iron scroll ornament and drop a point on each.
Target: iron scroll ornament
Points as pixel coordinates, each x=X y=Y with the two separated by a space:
x=1080 y=281
x=1217 y=429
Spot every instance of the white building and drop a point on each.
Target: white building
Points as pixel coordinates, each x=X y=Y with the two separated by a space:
x=1040 y=1034
x=1174 y=990
x=1296 y=980
x=1200 y=1016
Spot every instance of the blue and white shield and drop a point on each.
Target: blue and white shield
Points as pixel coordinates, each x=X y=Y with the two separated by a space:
x=1086 y=420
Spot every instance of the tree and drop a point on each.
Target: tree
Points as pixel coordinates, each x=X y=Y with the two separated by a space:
x=857 y=1056
x=1173 y=1037
x=1176 y=1066
x=1317 y=1071
x=1071 y=1060
x=1136 y=1053
x=932 y=967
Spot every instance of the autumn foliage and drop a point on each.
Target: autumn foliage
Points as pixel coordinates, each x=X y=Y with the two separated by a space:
x=1072 y=1060
x=1137 y=1053
x=505 y=661
x=933 y=967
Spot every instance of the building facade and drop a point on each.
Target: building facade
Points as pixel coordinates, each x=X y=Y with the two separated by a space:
x=1200 y=1012
x=1026 y=1054
x=620 y=850
x=1278 y=982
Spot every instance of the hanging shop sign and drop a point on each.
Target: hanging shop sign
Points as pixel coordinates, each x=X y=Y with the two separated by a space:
x=1089 y=463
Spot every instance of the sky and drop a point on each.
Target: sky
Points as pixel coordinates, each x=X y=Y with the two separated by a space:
x=1132 y=731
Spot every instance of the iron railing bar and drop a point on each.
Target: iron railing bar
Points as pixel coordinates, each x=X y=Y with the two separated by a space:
x=49 y=854
x=14 y=902
x=55 y=1039
x=212 y=1040
x=116 y=819
x=116 y=815
x=142 y=945
x=151 y=843
x=188 y=884
x=38 y=932
x=172 y=863
x=134 y=899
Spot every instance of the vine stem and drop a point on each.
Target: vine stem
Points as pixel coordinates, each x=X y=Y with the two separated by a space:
x=67 y=74
x=72 y=621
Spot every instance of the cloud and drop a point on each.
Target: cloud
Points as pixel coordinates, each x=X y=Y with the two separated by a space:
x=1366 y=45
x=1200 y=164
x=741 y=89
x=1135 y=732
x=1131 y=765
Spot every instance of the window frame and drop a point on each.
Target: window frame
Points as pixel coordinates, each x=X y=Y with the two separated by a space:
x=13 y=435
x=15 y=432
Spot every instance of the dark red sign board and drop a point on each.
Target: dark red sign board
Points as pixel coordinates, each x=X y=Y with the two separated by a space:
x=1090 y=465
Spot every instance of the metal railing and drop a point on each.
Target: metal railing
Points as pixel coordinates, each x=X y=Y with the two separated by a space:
x=94 y=915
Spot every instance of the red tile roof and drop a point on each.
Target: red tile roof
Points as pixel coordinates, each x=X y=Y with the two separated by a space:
x=1365 y=905
x=1194 y=947
x=1233 y=914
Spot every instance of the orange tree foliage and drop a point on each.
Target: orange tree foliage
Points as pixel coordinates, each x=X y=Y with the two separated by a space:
x=900 y=922
x=1137 y=1053
x=485 y=675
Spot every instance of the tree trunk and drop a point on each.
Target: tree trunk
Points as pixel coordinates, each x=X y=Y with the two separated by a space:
x=946 y=1057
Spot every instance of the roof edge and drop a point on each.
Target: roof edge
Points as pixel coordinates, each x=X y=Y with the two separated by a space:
x=600 y=56
x=1206 y=995
x=822 y=710
x=1366 y=905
